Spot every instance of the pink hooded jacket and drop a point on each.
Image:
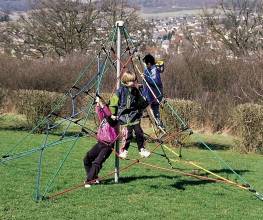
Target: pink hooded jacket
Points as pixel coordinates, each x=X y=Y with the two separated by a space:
x=106 y=132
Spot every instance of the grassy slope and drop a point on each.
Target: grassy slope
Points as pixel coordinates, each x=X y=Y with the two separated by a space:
x=142 y=192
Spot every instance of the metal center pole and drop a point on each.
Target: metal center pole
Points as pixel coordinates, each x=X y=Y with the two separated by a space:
x=98 y=72
x=119 y=26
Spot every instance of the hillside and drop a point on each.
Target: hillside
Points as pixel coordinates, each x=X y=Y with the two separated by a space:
x=172 y=5
x=14 y=5
x=147 y=5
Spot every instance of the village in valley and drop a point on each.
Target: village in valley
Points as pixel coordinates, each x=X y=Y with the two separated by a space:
x=171 y=33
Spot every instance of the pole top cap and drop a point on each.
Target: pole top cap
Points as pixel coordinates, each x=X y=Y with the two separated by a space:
x=119 y=23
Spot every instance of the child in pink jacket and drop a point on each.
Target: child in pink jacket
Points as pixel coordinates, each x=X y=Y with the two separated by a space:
x=106 y=136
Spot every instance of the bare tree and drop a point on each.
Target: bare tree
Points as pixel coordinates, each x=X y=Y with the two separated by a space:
x=113 y=10
x=237 y=24
x=60 y=27
x=54 y=27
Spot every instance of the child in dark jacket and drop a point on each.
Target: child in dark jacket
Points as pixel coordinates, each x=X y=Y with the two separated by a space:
x=106 y=136
x=153 y=89
x=128 y=103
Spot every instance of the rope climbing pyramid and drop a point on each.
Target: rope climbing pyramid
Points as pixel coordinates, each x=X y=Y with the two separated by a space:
x=72 y=120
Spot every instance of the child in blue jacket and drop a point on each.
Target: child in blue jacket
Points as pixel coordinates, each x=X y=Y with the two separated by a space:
x=153 y=87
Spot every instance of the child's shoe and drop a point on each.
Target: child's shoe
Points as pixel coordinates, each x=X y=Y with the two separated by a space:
x=96 y=180
x=144 y=153
x=87 y=184
x=123 y=154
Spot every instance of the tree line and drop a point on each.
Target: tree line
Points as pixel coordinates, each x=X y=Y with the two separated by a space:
x=58 y=28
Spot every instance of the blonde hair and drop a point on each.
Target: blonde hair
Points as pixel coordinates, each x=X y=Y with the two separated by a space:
x=128 y=77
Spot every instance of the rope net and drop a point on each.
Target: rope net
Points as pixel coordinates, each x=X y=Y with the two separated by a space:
x=73 y=119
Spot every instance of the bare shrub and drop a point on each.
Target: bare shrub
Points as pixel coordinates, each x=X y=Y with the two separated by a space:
x=187 y=110
x=3 y=96
x=216 y=111
x=248 y=125
x=46 y=74
x=208 y=78
x=36 y=106
x=214 y=81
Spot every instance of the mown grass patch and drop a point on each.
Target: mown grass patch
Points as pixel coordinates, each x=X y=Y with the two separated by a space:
x=142 y=193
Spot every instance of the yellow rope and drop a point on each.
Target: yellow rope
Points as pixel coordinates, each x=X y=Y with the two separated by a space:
x=202 y=168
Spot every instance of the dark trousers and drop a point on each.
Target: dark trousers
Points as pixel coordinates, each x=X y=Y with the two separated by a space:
x=156 y=110
x=95 y=158
x=138 y=136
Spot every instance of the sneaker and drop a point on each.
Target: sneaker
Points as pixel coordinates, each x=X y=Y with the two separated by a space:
x=87 y=184
x=144 y=153
x=123 y=154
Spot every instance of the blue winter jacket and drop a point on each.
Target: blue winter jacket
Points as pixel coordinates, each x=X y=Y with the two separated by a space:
x=153 y=78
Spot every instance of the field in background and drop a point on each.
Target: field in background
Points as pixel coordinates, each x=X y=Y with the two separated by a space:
x=177 y=13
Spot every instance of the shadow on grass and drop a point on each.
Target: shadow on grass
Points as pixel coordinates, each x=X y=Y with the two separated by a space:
x=195 y=182
x=180 y=185
x=210 y=145
x=14 y=128
x=129 y=179
x=55 y=133
x=227 y=171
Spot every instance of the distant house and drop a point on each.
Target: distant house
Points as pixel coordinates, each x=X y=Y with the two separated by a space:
x=4 y=17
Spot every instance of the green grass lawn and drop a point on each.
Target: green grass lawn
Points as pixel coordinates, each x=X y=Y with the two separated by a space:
x=142 y=193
